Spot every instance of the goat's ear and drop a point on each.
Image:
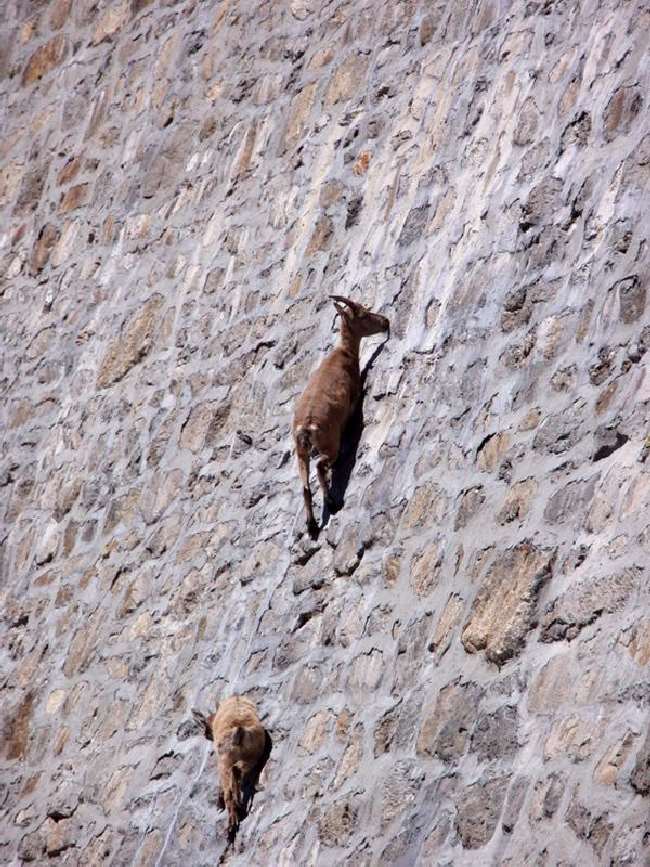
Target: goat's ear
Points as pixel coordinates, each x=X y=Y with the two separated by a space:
x=352 y=306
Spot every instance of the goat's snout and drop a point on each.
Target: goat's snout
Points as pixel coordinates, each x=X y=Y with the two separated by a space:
x=378 y=324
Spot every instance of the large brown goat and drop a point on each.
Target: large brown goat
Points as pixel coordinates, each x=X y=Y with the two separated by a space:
x=242 y=745
x=330 y=398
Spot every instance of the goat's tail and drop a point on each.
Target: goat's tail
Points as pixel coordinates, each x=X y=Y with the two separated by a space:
x=303 y=439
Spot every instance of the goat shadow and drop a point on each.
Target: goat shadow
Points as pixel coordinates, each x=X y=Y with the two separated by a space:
x=347 y=457
x=249 y=786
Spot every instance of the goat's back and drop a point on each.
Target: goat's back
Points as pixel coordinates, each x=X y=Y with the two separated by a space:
x=233 y=713
x=331 y=392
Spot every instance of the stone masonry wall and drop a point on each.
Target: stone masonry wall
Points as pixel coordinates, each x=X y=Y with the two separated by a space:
x=457 y=671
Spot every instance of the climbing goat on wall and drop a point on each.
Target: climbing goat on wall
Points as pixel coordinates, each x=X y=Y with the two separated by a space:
x=243 y=746
x=330 y=398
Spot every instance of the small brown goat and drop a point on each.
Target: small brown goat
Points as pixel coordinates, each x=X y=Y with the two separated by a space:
x=330 y=398
x=242 y=745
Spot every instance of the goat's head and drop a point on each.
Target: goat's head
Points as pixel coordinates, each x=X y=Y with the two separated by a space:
x=361 y=321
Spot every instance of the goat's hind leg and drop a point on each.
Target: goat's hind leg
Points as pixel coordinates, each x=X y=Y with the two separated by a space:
x=324 y=470
x=303 y=467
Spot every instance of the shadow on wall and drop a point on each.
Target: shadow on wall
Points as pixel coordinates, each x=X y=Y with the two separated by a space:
x=347 y=458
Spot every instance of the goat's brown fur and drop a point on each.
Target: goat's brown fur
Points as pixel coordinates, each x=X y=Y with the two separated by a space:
x=330 y=398
x=240 y=741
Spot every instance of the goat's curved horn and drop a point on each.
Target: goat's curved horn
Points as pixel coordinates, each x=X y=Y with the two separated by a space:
x=343 y=300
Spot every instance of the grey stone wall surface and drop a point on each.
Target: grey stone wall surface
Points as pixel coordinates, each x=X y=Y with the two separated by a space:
x=457 y=671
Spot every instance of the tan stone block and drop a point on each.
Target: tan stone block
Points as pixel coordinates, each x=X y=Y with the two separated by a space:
x=623 y=109
x=367 y=670
x=391 y=565
x=515 y=44
x=427 y=507
x=55 y=701
x=138 y=226
x=505 y=606
x=338 y=823
x=316 y=731
x=347 y=80
x=59 y=13
x=61 y=739
x=81 y=647
x=21 y=412
x=607 y=770
x=243 y=159
x=362 y=163
x=639 y=645
x=114 y=792
x=45 y=59
x=447 y=721
x=491 y=452
x=573 y=736
x=17 y=728
x=527 y=123
x=447 y=621
x=60 y=836
x=469 y=505
x=74 y=198
x=43 y=246
x=69 y=170
x=132 y=345
x=343 y=721
x=122 y=509
x=321 y=236
x=162 y=490
x=112 y=20
x=28 y=30
x=11 y=176
x=152 y=700
x=636 y=497
x=605 y=397
x=299 y=111
x=322 y=57
x=562 y=682
x=350 y=761
x=63 y=250
x=203 y=424
x=425 y=569
x=24 y=673
x=517 y=502
x=147 y=854
x=117 y=668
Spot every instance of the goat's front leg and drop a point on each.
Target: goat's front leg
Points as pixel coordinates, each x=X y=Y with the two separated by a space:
x=323 y=468
x=303 y=467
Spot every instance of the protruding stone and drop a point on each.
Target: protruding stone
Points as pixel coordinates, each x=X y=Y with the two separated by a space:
x=504 y=610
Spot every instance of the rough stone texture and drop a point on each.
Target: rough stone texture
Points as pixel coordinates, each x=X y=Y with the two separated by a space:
x=504 y=610
x=456 y=672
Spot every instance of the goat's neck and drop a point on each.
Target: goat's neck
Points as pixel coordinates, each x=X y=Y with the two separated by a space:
x=349 y=343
